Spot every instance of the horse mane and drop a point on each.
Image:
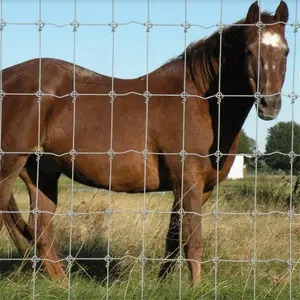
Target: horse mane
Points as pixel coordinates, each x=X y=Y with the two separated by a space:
x=202 y=57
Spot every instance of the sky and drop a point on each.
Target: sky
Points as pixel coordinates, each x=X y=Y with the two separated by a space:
x=93 y=47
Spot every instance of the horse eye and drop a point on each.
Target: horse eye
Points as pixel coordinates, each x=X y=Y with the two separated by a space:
x=249 y=52
x=287 y=52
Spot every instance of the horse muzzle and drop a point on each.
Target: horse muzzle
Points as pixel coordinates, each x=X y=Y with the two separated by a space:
x=269 y=107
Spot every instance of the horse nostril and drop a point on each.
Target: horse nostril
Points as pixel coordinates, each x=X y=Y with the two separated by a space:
x=269 y=107
x=263 y=101
x=271 y=101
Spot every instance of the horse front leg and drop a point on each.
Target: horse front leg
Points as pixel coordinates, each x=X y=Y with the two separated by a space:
x=192 y=230
x=192 y=202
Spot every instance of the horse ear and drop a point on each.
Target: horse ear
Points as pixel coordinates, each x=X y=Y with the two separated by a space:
x=253 y=12
x=282 y=12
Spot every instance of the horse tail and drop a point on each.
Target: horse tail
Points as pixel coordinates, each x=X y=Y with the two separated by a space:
x=16 y=225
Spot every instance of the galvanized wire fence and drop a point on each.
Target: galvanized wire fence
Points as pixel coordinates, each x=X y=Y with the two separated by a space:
x=144 y=211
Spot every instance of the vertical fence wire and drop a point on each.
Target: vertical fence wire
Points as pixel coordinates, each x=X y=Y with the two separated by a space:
x=70 y=214
x=257 y=97
x=145 y=153
x=35 y=211
x=292 y=157
x=183 y=154
x=108 y=258
x=218 y=153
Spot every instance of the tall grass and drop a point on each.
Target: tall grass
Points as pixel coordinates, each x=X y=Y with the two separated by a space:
x=235 y=242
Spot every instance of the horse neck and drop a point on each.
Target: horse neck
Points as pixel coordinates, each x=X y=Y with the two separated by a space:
x=233 y=110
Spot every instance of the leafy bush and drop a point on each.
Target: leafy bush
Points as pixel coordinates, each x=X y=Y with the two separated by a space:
x=270 y=191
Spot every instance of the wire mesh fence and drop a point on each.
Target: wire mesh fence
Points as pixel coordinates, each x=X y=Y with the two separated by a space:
x=143 y=211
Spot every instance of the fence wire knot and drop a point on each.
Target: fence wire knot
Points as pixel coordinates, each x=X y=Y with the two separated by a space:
x=73 y=153
x=148 y=25
x=70 y=214
x=186 y=26
x=181 y=212
x=257 y=97
x=143 y=213
x=36 y=212
x=109 y=212
x=221 y=27
x=145 y=154
x=183 y=155
x=74 y=96
x=180 y=261
x=215 y=261
x=218 y=155
x=38 y=152
x=108 y=260
x=113 y=26
x=111 y=153
x=70 y=260
x=259 y=25
x=290 y=263
x=296 y=26
x=254 y=214
x=292 y=155
x=293 y=97
x=290 y=215
x=219 y=96
x=40 y=24
x=147 y=96
x=112 y=95
x=216 y=214
x=39 y=94
x=143 y=260
x=256 y=154
x=35 y=260
x=75 y=25
x=2 y=24
x=184 y=95
x=253 y=261
x=2 y=94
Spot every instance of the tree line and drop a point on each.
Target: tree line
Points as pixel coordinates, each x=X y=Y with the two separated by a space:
x=278 y=153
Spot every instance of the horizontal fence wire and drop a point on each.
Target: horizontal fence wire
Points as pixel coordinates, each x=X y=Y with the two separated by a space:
x=144 y=211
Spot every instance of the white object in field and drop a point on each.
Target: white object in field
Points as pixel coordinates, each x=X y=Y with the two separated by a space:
x=237 y=169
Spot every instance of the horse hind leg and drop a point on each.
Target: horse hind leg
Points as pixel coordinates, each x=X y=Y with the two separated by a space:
x=11 y=166
x=47 y=199
x=172 y=240
x=17 y=227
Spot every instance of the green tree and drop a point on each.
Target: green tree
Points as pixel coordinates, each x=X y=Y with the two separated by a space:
x=279 y=139
x=247 y=146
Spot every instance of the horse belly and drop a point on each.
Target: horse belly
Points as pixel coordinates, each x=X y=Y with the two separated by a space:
x=126 y=172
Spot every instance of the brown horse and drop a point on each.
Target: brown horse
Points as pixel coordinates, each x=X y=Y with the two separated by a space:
x=93 y=125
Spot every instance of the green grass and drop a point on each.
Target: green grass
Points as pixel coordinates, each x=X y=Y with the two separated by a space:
x=235 y=241
x=233 y=287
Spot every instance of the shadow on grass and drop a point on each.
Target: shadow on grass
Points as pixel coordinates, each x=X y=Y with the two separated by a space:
x=89 y=262
x=14 y=264
x=93 y=263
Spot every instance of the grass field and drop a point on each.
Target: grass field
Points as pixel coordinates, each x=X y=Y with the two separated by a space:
x=235 y=242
